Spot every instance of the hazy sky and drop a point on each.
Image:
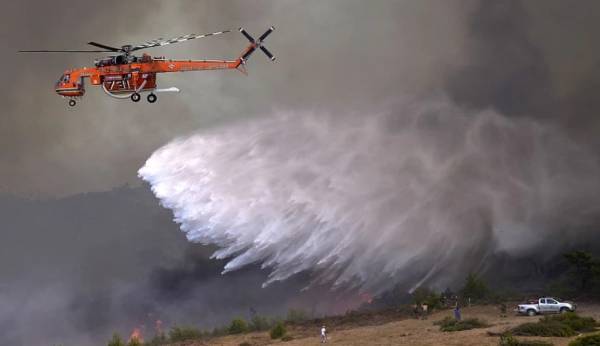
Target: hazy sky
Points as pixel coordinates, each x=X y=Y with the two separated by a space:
x=331 y=55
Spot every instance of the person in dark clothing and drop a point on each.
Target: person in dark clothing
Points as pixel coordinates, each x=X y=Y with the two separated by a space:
x=457 y=312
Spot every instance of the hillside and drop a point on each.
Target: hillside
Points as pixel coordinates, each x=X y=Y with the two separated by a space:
x=402 y=331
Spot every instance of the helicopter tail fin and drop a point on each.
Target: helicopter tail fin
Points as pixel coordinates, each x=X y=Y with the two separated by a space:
x=254 y=44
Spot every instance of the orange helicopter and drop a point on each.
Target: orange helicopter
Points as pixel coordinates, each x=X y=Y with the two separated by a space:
x=125 y=76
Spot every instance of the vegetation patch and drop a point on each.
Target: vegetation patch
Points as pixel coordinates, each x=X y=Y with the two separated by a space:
x=238 y=326
x=278 y=331
x=576 y=322
x=563 y=325
x=177 y=334
x=543 y=329
x=424 y=295
x=449 y=324
x=509 y=340
x=116 y=340
x=588 y=340
x=296 y=316
x=259 y=323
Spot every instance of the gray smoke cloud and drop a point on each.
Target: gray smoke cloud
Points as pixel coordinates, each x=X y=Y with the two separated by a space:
x=330 y=54
x=411 y=196
x=152 y=273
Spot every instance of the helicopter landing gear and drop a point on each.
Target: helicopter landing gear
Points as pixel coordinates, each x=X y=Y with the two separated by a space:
x=151 y=98
x=72 y=103
x=135 y=97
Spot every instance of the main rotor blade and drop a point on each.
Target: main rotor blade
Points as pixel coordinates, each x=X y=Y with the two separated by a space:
x=109 y=48
x=64 y=51
x=266 y=51
x=163 y=42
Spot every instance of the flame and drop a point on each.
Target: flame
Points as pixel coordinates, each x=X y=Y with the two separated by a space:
x=136 y=334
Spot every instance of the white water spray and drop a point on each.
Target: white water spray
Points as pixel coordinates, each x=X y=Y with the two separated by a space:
x=369 y=200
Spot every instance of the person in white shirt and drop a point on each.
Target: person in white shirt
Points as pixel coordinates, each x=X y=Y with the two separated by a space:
x=323 y=335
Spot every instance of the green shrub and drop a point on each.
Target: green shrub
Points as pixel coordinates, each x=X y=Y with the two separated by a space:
x=278 y=331
x=177 y=334
x=287 y=338
x=449 y=324
x=563 y=325
x=259 y=323
x=296 y=316
x=576 y=322
x=116 y=340
x=589 y=340
x=552 y=328
x=509 y=340
x=238 y=326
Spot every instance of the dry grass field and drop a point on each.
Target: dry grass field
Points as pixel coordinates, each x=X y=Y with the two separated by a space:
x=412 y=332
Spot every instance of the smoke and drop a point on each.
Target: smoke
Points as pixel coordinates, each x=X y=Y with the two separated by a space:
x=369 y=200
x=152 y=273
x=423 y=189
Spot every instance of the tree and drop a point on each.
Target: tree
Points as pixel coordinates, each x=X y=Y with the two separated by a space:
x=474 y=288
x=158 y=339
x=584 y=267
x=134 y=342
x=424 y=295
x=116 y=340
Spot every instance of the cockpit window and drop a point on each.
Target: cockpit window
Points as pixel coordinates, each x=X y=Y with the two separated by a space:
x=64 y=78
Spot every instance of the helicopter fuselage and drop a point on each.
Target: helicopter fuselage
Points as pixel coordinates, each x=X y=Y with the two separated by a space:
x=131 y=77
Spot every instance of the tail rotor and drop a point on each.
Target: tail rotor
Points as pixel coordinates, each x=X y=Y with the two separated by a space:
x=256 y=44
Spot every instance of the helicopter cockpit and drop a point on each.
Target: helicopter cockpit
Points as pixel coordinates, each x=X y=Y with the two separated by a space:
x=115 y=60
x=63 y=80
x=66 y=86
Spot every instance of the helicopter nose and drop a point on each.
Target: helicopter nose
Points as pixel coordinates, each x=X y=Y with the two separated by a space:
x=65 y=89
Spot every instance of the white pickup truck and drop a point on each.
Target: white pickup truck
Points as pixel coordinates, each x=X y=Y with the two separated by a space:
x=545 y=306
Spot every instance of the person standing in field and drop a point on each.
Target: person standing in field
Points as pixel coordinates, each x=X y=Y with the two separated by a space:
x=416 y=310
x=457 y=311
x=424 y=309
x=323 y=335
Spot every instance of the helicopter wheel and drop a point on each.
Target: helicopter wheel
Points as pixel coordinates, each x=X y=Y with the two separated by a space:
x=72 y=103
x=151 y=98
x=135 y=97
